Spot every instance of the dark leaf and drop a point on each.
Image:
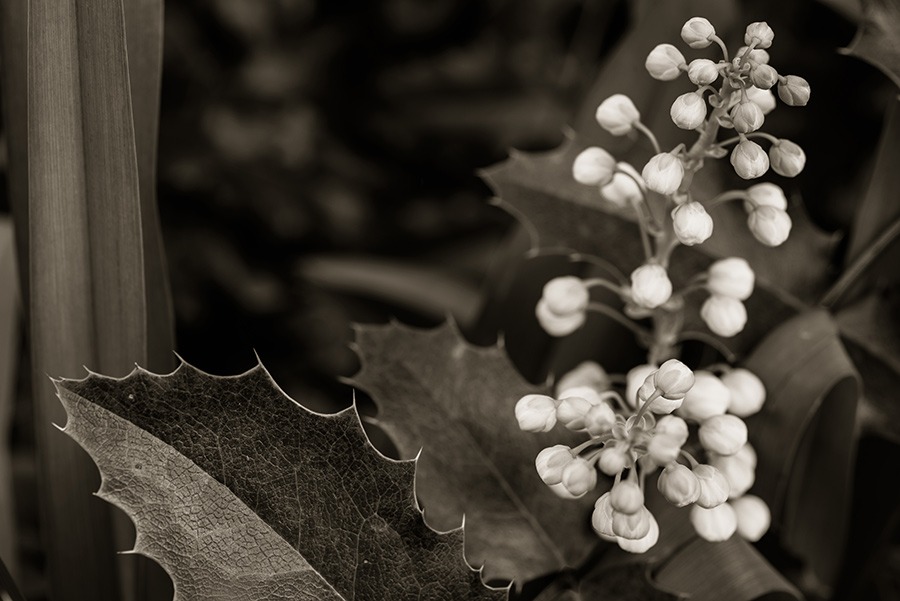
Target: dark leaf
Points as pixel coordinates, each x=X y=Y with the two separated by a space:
x=877 y=40
x=241 y=493
x=456 y=403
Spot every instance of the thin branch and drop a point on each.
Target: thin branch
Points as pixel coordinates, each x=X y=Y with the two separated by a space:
x=641 y=332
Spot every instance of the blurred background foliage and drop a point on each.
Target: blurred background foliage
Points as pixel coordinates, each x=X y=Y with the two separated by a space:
x=318 y=166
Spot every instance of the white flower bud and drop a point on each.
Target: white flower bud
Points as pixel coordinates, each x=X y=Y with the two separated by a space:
x=623 y=190
x=617 y=114
x=674 y=379
x=765 y=195
x=749 y=159
x=643 y=544
x=663 y=173
x=794 y=91
x=679 y=485
x=660 y=404
x=627 y=497
x=747 y=117
x=702 y=71
x=579 y=476
x=571 y=412
x=588 y=393
x=697 y=32
x=763 y=76
x=747 y=391
x=672 y=425
x=756 y=57
x=753 y=517
x=555 y=325
x=759 y=32
x=692 y=223
x=724 y=315
x=663 y=449
x=586 y=373
x=688 y=111
x=713 y=486
x=650 y=285
x=788 y=159
x=632 y=526
x=731 y=277
x=664 y=62
x=765 y=99
x=560 y=491
x=599 y=420
x=708 y=397
x=634 y=380
x=769 y=225
x=602 y=518
x=551 y=461
x=739 y=469
x=612 y=460
x=723 y=434
x=536 y=413
x=715 y=525
x=566 y=295
x=593 y=167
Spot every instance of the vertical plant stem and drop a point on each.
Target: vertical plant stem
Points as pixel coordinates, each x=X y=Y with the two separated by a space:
x=9 y=360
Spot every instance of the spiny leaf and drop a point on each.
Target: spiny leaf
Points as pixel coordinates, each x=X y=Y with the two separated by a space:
x=456 y=402
x=877 y=40
x=241 y=493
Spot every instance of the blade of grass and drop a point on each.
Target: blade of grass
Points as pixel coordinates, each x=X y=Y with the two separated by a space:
x=9 y=350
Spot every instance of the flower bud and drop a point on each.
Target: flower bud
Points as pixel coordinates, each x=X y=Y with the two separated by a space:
x=759 y=32
x=674 y=426
x=579 y=476
x=679 y=485
x=627 y=497
x=555 y=325
x=551 y=461
x=793 y=90
x=713 y=486
x=688 y=111
x=587 y=373
x=660 y=404
x=617 y=114
x=643 y=544
x=749 y=159
x=747 y=117
x=697 y=32
x=602 y=518
x=739 y=469
x=591 y=395
x=731 y=277
x=692 y=223
x=753 y=517
x=769 y=225
x=650 y=285
x=765 y=99
x=723 y=434
x=708 y=397
x=788 y=159
x=599 y=420
x=622 y=191
x=571 y=412
x=566 y=295
x=754 y=58
x=747 y=391
x=536 y=413
x=634 y=380
x=765 y=195
x=702 y=71
x=593 y=167
x=663 y=173
x=663 y=449
x=715 y=525
x=724 y=315
x=560 y=491
x=664 y=62
x=612 y=460
x=631 y=525
x=763 y=76
x=673 y=379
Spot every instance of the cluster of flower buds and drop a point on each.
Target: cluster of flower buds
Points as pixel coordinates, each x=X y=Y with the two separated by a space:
x=562 y=308
x=729 y=281
x=767 y=216
x=631 y=437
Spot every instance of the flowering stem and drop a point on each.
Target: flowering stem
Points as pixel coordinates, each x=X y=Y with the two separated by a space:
x=725 y=197
x=722 y=45
x=644 y=226
x=646 y=131
x=612 y=269
x=602 y=283
x=753 y=134
x=694 y=463
x=642 y=333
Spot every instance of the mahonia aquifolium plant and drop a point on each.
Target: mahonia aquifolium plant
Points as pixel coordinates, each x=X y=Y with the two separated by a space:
x=638 y=430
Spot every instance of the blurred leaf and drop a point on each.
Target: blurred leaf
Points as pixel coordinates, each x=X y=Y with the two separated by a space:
x=454 y=403
x=241 y=493
x=10 y=351
x=877 y=40
x=805 y=437
x=629 y=581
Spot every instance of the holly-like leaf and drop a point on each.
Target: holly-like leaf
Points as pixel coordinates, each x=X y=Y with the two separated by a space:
x=456 y=403
x=877 y=40
x=241 y=493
